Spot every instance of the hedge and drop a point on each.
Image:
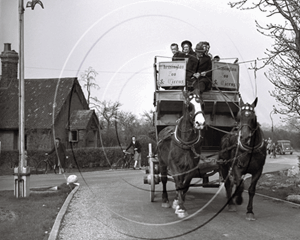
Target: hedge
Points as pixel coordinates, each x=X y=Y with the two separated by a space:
x=84 y=157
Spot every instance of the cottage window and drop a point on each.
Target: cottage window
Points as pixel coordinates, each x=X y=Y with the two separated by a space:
x=73 y=136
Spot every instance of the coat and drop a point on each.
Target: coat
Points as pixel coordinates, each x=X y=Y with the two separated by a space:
x=191 y=67
x=205 y=65
x=61 y=153
x=135 y=145
x=179 y=56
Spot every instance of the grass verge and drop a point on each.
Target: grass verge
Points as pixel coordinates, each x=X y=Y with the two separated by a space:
x=277 y=184
x=31 y=217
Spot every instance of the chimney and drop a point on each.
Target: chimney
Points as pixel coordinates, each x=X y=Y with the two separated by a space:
x=9 y=59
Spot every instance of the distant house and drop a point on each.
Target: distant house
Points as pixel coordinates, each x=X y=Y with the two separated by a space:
x=71 y=121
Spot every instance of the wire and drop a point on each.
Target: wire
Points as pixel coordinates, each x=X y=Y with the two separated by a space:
x=99 y=71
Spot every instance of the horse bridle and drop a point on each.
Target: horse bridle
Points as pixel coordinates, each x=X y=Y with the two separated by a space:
x=198 y=100
x=252 y=131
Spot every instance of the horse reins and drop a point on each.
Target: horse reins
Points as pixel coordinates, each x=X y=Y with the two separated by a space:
x=245 y=147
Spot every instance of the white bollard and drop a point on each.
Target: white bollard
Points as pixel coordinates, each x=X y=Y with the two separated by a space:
x=150 y=150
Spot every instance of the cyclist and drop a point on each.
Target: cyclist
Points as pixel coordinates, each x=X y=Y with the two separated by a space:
x=60 y=159
x=137 y=151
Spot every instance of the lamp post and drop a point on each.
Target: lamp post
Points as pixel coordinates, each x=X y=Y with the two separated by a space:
x=272 y=128
x=22 y=173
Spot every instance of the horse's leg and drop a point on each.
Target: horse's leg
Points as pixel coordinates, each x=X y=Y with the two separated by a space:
x=180 y=209
x=186 y=186
x=239 y=186
x=175 y=201
x=164 y=180
x=228 y=182
x=251 y=192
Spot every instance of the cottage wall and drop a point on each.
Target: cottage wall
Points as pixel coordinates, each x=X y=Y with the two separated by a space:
x=93 y=135
x=9 y=140
x=61 y=126
x=38 y=132
x=39 y=139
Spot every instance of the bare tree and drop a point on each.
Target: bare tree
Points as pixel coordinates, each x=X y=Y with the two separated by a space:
x=89 y=79
x=148 y=116
x=107 y=110
x=148 y=124
x=128 y=122
x=284 y=57
x=292 y=124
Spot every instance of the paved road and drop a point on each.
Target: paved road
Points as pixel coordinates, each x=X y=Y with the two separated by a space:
x=116 y=205
x=7 y=182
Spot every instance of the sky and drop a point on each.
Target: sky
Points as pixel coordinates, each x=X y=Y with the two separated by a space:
x=120 y=38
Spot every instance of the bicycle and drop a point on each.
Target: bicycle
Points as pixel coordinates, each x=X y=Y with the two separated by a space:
x=124 y=162
x=44 y=165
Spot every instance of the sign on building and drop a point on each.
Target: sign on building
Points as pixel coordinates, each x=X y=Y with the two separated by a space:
x=225 y=75
x=171 y=74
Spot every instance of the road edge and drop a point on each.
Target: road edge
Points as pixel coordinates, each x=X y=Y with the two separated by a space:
x=56 y=226
x=273 y=198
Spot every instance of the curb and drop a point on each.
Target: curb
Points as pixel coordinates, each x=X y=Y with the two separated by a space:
x=55 y=229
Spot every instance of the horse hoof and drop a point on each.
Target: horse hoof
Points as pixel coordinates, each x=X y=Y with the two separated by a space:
x=250 y=217
x=166 y=205
x=175 y=204
x=181 y=213
x=231 y=208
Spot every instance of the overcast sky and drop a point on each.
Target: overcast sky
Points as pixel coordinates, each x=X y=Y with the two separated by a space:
x=119 y=39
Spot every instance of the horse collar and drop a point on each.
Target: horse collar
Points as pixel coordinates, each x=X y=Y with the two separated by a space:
x=246 y=148
x=183 y=144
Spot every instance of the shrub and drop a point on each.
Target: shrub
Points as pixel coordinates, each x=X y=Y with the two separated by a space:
x=94 y=157
x=145 y=140
x=9 y=159
x=84 y=157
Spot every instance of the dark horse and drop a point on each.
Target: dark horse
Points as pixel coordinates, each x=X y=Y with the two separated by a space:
x=243 y=151
x=178 y=152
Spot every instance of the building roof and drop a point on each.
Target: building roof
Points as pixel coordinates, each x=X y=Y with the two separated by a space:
x=79 y=119
x=39 y=98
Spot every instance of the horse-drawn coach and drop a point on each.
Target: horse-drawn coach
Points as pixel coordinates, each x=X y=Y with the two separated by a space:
x=187 y=148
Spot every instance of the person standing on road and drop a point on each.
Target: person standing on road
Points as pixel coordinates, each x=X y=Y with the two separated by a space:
x=60 y=159
x=269 y=145
x=137 y=151
x=273 y=150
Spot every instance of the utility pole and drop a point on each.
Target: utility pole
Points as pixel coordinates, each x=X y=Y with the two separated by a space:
x=272 y=128
x=22 y=173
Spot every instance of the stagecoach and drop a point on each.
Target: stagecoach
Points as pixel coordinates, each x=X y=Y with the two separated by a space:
x=221 y=108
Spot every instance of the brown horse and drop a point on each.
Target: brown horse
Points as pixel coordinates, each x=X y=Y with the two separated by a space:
x=243 y=151
x=178 y=152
